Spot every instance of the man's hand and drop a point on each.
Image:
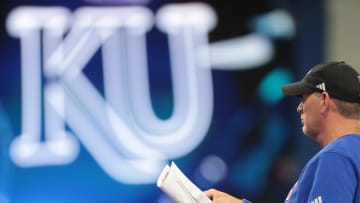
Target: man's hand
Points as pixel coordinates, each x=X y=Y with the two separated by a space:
x=221 y=197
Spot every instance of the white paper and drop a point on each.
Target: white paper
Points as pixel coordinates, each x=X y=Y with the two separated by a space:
x=177 y=186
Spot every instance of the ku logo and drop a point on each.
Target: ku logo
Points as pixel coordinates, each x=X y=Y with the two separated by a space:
x=120 y=129
x=62 y=108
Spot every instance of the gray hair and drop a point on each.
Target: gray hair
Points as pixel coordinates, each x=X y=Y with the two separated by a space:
x=348 y=109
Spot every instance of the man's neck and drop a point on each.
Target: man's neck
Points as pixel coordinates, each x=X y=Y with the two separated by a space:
x=338 y=128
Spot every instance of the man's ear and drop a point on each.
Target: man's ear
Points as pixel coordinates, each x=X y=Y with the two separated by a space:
x=325 y=101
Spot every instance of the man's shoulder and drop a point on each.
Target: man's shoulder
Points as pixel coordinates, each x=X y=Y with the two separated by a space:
x=347 y=146
x=350 y=142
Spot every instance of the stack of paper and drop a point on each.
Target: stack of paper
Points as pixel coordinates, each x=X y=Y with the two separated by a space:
x=177 y=186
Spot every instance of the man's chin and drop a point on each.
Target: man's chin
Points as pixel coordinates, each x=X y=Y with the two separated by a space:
x=305 y=131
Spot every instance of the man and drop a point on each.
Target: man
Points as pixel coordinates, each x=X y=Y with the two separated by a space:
x=329 y=112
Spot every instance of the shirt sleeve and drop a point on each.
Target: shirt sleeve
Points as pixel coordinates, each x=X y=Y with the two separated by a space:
x=334 y=179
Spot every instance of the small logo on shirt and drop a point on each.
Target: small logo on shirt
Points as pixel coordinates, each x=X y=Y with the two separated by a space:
x=317 y=200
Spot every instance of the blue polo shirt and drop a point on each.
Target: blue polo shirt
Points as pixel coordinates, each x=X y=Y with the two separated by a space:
x=332 y=175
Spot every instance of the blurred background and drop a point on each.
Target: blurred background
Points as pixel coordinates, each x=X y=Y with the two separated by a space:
x=207 y=95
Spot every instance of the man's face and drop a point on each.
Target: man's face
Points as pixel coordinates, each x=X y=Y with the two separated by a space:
x=309 y=109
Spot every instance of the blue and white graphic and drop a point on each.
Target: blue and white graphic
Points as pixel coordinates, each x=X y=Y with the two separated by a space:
x=119 y=127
